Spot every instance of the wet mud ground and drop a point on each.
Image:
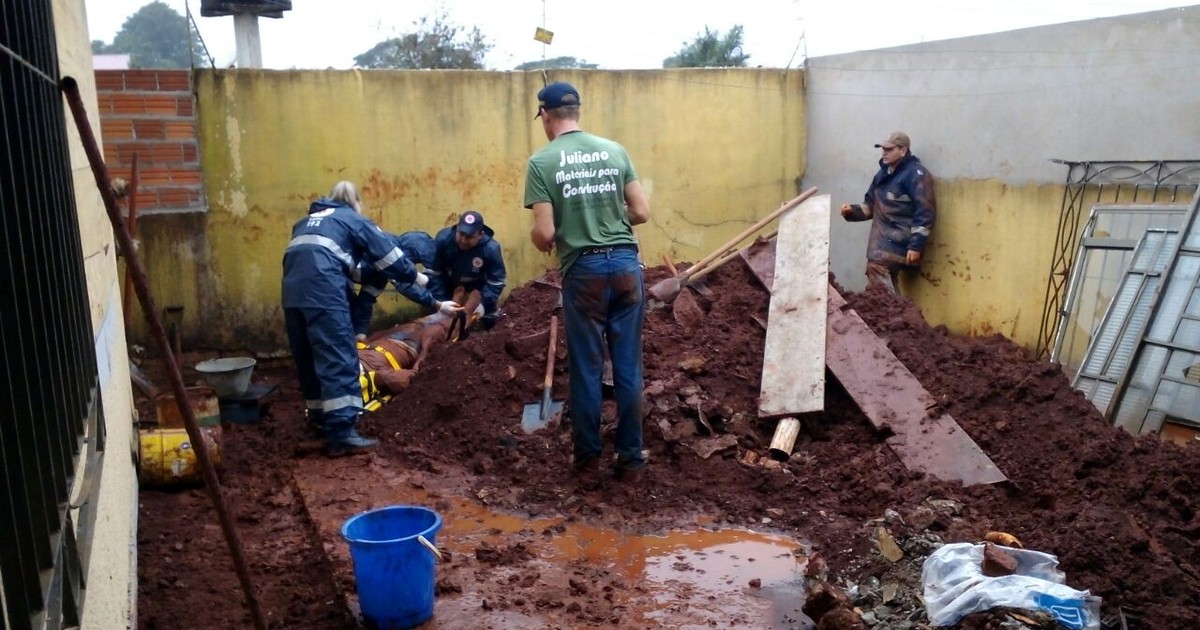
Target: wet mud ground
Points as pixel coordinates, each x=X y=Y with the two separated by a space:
x=1117 y=511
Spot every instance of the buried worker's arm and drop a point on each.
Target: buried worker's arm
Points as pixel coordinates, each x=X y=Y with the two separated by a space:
x=542 y=232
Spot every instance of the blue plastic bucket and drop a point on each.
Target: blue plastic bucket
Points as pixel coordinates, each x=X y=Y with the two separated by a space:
x=393 y=569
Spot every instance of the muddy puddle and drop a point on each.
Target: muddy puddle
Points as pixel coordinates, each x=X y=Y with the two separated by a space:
x=506 y=570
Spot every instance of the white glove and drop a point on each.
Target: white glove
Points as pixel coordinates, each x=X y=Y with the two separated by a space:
x=421 y=280
x=479 y=311
x=449 y=307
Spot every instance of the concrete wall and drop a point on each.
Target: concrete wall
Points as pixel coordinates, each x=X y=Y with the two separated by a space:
x=716 y=148
x=987 y=114
x=110 y=600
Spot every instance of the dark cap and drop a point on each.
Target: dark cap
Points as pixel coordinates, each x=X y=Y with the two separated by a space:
x=897 y=139
x=557 y=95
x=470 y=223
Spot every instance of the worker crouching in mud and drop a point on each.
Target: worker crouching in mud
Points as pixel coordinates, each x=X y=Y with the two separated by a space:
x=390 y=358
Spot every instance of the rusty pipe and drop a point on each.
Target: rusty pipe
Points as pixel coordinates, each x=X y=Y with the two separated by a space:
x=141 y=285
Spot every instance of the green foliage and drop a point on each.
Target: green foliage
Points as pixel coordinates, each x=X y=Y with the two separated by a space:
x=99 y=47
x=155 y=36
x=436 y=43
x=710 y=50
x=557 y=63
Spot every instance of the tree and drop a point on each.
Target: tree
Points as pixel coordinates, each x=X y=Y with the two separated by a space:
x=436 y=43
x=557 y=63
x=155 y=36
x=710 y=50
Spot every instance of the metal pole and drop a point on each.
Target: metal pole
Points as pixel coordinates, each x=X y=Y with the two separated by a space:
x=142 y=287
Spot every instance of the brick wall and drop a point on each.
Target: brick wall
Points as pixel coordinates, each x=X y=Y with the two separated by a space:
x=152 y=113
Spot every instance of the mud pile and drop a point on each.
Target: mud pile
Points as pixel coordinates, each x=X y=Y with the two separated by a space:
x=1118 y=512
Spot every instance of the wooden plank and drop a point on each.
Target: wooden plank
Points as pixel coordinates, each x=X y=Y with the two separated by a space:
x=793 y=375
x=894 y=400
x=887 y=392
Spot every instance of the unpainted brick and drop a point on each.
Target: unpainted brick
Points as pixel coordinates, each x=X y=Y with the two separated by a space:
x=185 y=176
x=151 y=129
x=115 y=129
x=110 y=80
x=174 y=81
x=141 y=80
x=183 y=106
x=180 y=130
x=161 y=105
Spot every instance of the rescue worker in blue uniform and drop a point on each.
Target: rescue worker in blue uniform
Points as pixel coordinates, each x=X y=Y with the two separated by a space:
x=901 y=206
x=419 y=248
x=468 y=256
x=326 y=247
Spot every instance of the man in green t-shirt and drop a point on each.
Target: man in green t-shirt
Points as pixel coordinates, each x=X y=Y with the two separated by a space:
x=586 y=198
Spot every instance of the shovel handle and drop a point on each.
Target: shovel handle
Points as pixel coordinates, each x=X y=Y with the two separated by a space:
x=787 y=205
x=550 y=352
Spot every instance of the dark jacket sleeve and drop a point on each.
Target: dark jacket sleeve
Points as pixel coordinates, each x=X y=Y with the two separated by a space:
x=439 y=269
x=382 y=253
x=924 y=210
x=495 y=278
x=417 y=294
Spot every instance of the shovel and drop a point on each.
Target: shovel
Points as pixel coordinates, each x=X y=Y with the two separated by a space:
x=668 y=289
x=536 y=415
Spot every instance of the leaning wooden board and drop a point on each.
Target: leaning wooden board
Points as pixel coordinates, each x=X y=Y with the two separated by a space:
x=793 y=374
x=889 y=395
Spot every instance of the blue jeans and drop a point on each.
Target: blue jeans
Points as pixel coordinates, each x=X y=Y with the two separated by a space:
x=322 y=344
x=604 y=302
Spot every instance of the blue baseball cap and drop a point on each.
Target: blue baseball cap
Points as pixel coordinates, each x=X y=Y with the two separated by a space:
x=470 y=223
x=557 y=95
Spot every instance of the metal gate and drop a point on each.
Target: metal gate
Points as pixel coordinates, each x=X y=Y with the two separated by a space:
x=49 y=400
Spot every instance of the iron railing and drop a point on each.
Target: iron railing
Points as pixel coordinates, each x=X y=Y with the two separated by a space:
x=49 y=398
x=1109 y=182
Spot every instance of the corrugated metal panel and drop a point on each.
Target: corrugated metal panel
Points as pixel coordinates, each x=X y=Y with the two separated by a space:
x=1116 y=340
x=1159 y=387
x=1107 y=243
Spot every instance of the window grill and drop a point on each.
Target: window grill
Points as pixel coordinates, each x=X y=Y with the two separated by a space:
x=49 y=396
x=1104 y=182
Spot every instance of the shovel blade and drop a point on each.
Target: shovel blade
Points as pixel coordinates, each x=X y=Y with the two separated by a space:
x=532 y=419
x=665 y=290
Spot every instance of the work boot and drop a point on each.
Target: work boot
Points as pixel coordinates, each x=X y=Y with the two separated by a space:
x=347 y=442
x=631 y=476
x=588 y=474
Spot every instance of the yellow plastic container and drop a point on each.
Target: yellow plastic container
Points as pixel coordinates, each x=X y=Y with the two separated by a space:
x=166 y=456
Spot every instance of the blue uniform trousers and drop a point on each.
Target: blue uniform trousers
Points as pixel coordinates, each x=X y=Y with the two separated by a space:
x=322 y=344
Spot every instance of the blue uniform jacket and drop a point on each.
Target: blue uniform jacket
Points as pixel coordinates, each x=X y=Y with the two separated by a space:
x=326 y=249
x=417 y=247
x=902 y=208
x=481 y=267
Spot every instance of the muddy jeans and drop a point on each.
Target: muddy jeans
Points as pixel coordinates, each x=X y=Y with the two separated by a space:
x=603 y=300
x=879 y=273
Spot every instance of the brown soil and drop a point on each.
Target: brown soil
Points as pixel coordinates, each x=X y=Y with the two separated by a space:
x=1117 y=511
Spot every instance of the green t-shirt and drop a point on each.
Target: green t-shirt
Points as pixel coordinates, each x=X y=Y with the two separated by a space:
x=583 y=177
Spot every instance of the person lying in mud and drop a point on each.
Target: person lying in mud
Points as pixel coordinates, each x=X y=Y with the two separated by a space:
x=390 y=358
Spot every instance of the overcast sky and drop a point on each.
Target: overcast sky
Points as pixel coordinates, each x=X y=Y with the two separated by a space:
x=619 y=34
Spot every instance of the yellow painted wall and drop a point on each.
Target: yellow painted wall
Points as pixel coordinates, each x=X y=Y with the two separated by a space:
x=986 y=266
x=716 y=148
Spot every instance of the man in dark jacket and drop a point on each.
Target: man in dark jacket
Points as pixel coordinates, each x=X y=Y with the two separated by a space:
x=326 y=247
x=901 y=204
x=419 y=247
x=468 y=256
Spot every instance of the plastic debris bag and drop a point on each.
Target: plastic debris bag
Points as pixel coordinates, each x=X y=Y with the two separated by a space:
x=955 y=587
